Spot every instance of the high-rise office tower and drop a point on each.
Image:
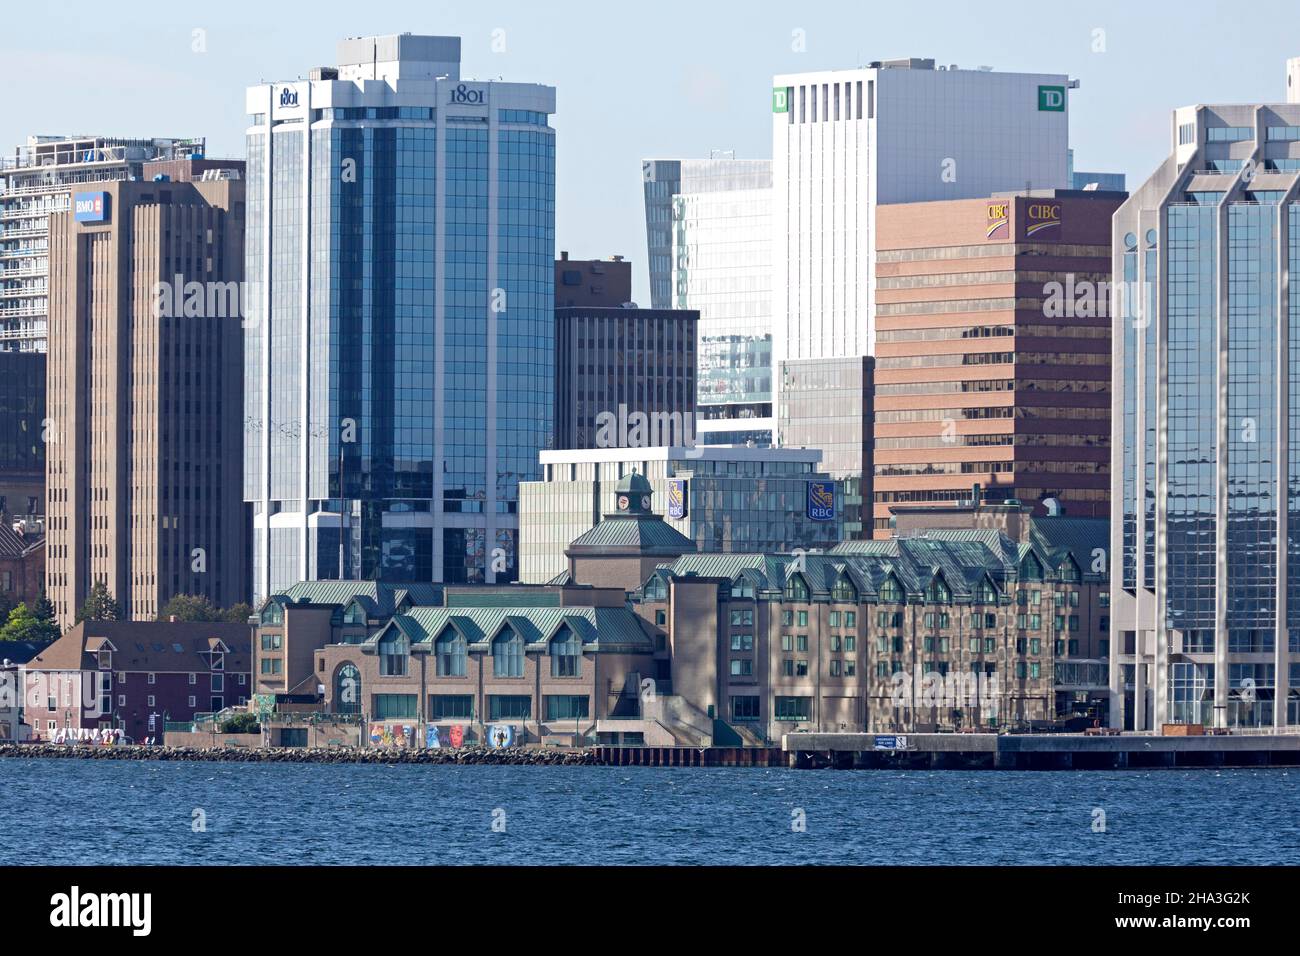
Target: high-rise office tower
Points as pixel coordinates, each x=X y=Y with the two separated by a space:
x=36 y=182
x=145 y=395
x=993 y=353
x=846 y=141
x=708 y=232
x=1205 y=480
x=399 y=351
x=623 y=376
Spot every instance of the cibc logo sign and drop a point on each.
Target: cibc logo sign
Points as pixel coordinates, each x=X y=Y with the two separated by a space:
x=288 y=97
x=463 y=95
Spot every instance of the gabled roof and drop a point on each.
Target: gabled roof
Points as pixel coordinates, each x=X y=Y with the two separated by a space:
x=161 y=646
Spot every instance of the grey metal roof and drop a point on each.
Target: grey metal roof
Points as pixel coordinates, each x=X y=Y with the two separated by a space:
x=380 y=599
x=649 y=534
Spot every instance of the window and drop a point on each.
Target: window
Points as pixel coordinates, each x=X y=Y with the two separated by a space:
x=1021 y=669
x=192 y=701
x=218 y=683
x=850 y=642
x=149 y=701
x=509 y=707
x=347 y=689
x=272 y=614
x=844 y=591
x=792 y=708
x=742 y=642
x=891 y=592
x=801 y=643
x=153 y=678
x=787 y=617
x=393 y=706
x=272 y=642
x=796 y=588
x=508 y=654
x=394 y=653
x=744 y=708
x=803 y=618
x=567 y=706
x=835 y=667
x=787 y=670
x=451 y=707
x=742 y=618
x=800 y=668
x=194 y=678
x=661 y=617
x=566 y=653
x=742 y=667
x=835 y=643
x=272 y=665
x=355 y=614
x=850 y=618
x=121 y=701
x=449 y=654
x=656 y=589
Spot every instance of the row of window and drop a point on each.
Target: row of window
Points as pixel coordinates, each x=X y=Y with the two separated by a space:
x=499 y=707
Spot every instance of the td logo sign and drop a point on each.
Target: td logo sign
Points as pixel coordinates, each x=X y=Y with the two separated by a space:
x=1051 y=99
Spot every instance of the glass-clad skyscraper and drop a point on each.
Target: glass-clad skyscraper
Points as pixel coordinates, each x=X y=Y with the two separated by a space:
x=1206 y=431
x=399 y=313
x=708 y=236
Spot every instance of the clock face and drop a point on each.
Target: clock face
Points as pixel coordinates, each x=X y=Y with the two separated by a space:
x=622 y=502
x=645 y=502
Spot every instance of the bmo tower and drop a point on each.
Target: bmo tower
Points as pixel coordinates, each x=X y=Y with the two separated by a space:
x=399 y=316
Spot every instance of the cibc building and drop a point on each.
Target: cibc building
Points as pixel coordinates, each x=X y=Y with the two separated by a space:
x=400 y=316
x=1206 y=434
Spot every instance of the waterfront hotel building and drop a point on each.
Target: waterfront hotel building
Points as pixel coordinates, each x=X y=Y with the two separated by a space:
x=1205 y=481
x=400 y=316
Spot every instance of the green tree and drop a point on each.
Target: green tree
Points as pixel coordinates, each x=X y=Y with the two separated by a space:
x=44 y=609
x=23 y=625
x=190 y=607
x=238 y=613
x=100 y=605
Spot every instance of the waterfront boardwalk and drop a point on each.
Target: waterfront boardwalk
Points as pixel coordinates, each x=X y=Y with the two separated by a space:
x=1038 y=751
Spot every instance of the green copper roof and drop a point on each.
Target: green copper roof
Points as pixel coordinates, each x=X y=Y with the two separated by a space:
x=648 y=534
x=380 y=599
x=604 y=629
x=633 y=483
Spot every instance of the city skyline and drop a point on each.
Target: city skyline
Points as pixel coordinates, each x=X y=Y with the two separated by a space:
x=712 y=89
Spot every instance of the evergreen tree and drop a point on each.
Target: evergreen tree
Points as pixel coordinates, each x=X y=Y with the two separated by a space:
x=100 y=605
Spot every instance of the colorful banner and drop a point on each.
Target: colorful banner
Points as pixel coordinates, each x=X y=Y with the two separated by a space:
x=501 y=735
x=677 y=507
x=821 y=500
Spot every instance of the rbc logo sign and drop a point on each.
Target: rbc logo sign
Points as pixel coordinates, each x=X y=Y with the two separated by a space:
x=288 y=97
x=464 y=95
x=821 y=500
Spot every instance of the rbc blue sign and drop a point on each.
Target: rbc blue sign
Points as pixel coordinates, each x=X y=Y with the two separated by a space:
x=90 y=207
x=288 y=97
x=821 y=500
x=677 y=498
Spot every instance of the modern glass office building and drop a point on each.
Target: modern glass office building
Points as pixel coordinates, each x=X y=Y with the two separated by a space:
x=399 y=312
x=1206 y=431
x=708 y=232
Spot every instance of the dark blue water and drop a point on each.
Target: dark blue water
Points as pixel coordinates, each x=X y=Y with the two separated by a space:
x=75 y=812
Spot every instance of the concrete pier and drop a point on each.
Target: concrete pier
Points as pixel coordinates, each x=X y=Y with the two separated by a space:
x=1039 y=751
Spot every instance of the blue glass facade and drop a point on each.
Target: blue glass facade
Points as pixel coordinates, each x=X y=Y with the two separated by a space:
x=410 y=339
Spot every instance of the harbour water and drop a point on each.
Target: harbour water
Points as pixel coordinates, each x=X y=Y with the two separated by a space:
x=75 y=812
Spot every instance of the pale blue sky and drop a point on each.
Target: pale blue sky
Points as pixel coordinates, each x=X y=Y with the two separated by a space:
x=666 y=78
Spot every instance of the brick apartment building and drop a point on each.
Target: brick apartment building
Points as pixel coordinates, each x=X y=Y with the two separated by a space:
x=993 y=351
x=22 y=561
x=136 y=676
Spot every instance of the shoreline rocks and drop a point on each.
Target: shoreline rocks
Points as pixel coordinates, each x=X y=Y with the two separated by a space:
x=512 y=756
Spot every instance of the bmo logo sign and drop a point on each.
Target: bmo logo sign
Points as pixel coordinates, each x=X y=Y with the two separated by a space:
x=90 y=207
x=288 y=97
x=463 y=95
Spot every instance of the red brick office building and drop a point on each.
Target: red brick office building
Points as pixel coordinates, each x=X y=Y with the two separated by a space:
x=993 y=352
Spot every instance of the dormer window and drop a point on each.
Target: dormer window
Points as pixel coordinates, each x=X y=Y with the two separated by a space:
x=355 y=614
x=566 y=653
x=394 y=653
x=796 y=588
x=273 y=613
x=844 y=591
x=105 y=657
